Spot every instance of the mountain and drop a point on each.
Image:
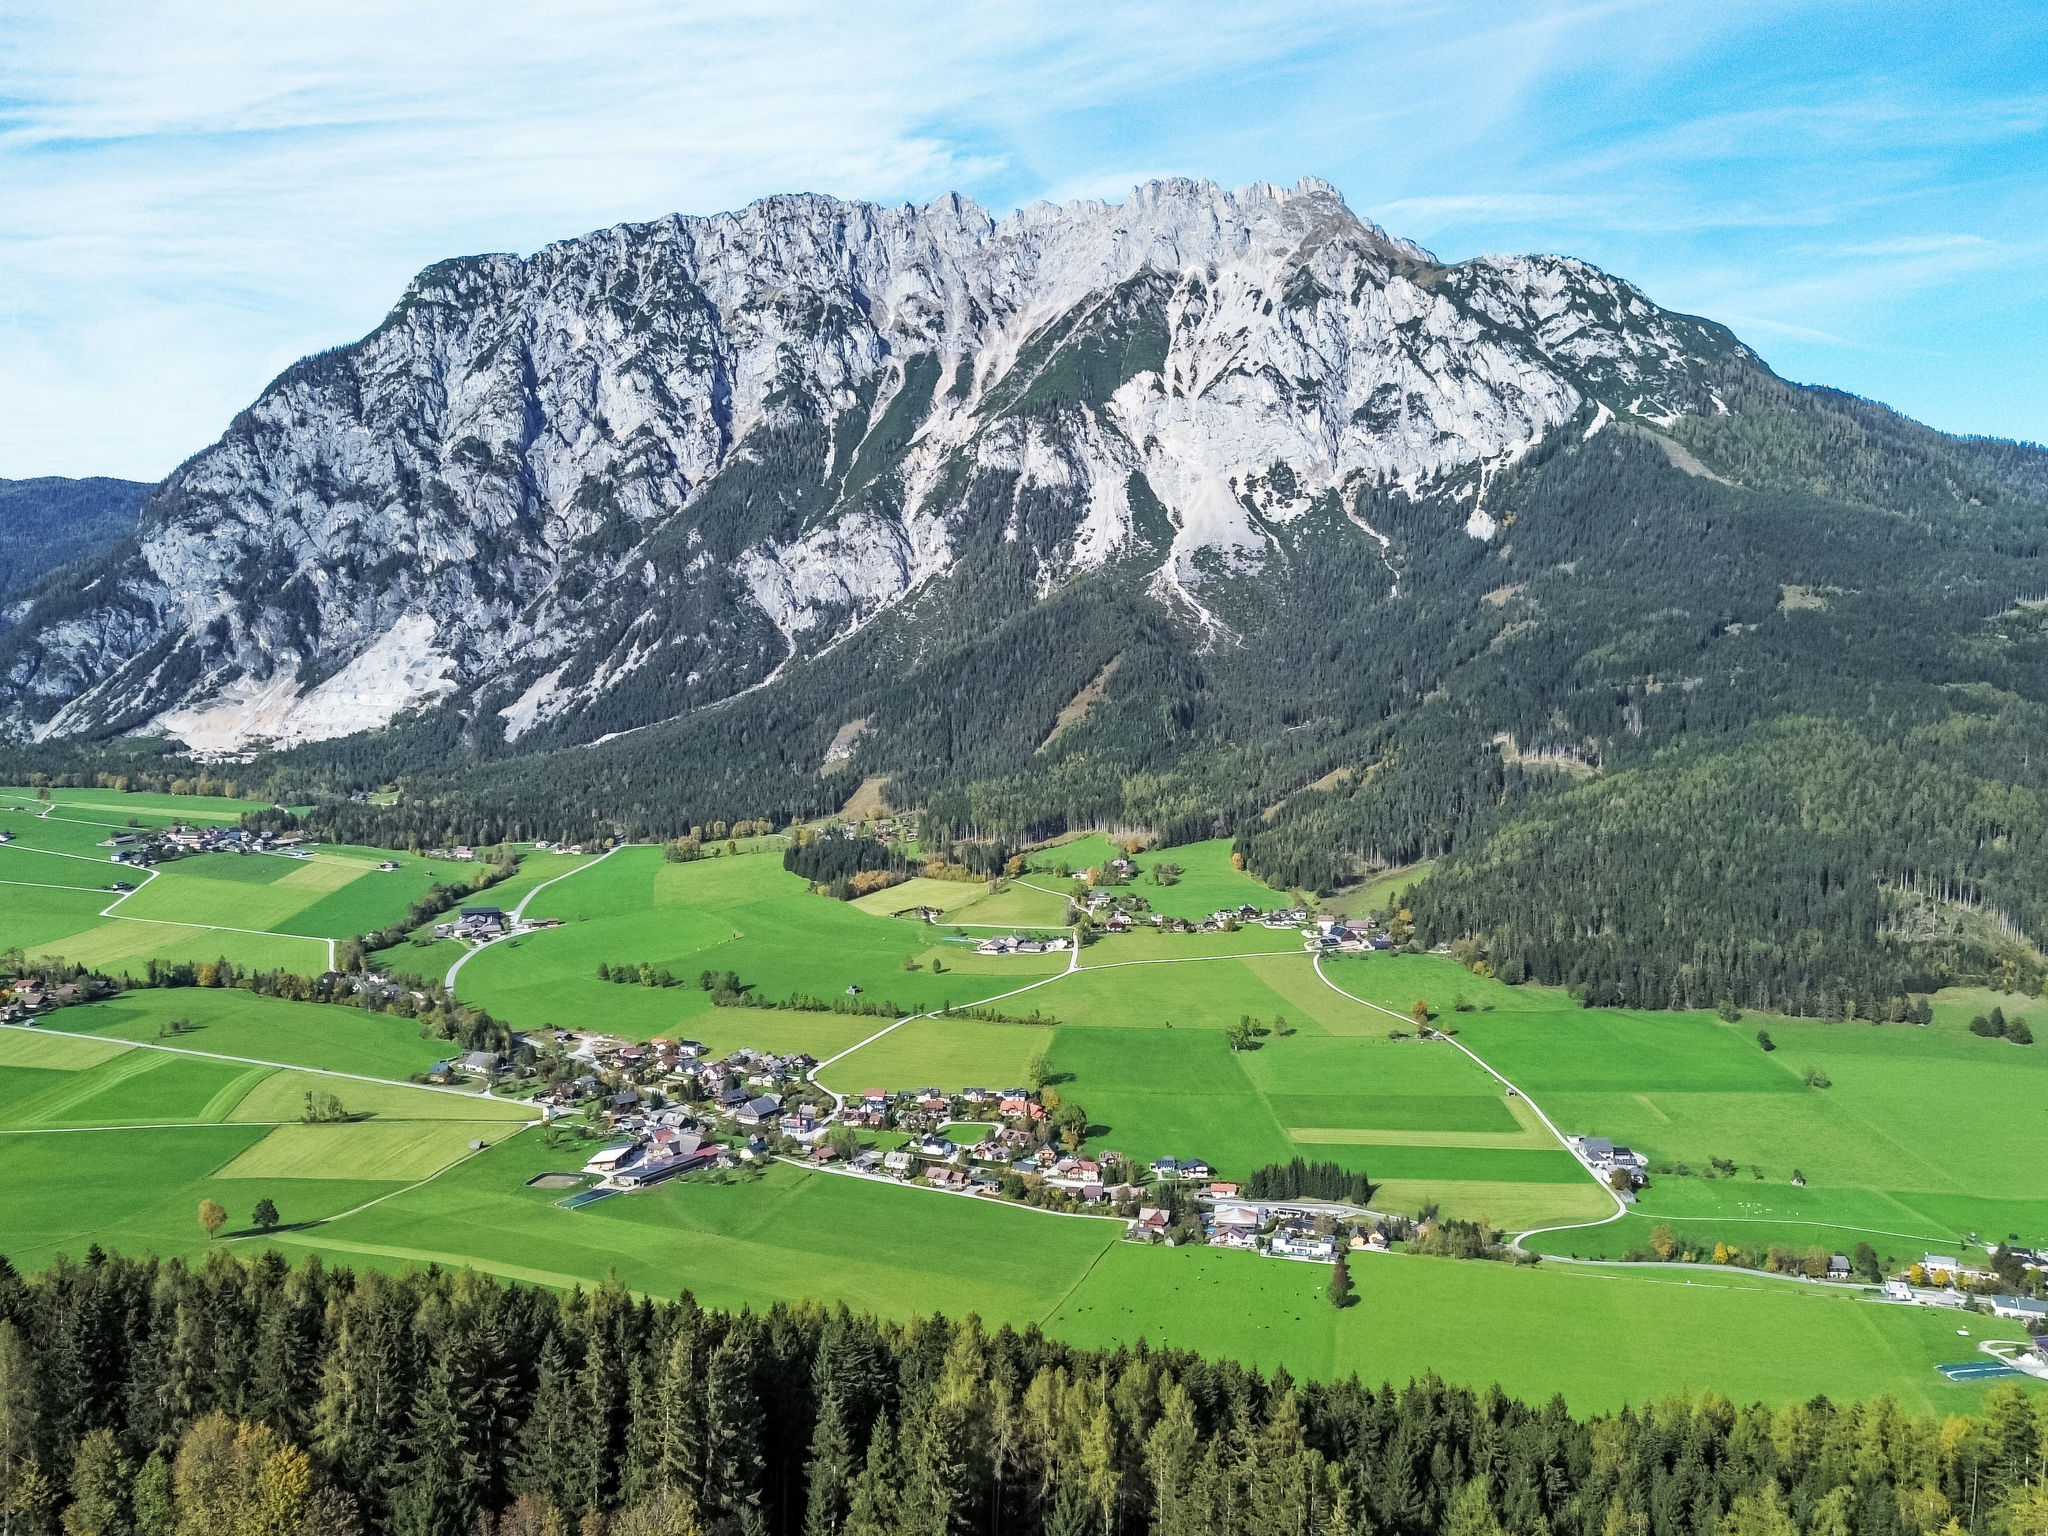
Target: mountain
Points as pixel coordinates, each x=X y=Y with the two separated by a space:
x=644 y=470
x=49 y=522
x=1209 y=514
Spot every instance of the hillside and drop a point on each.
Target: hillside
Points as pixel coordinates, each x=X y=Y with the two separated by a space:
x=1215 y=513
x=49 y=522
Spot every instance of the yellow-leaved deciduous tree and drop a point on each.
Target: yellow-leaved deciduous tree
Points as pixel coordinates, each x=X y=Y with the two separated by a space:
x=1723 y=1253
x=667 y=1512
x=1471 y=1512
x=211 y=1217
x=1663 y=1241
x=1759 y=1514
x=236 y=1479
x=2025 y=1513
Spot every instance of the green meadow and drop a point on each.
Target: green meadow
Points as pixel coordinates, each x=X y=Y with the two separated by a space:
x=1923 y=1136
x=744 y=914
x=1207 y=882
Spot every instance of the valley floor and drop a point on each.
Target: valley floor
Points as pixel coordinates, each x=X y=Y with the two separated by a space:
x=113 y=1129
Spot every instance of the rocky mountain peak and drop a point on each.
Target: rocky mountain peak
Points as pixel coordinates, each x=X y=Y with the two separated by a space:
x=637 y=472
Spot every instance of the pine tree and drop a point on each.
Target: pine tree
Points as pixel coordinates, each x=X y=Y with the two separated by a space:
x=1340 y=1282
x=20 y=1413
x=548 y=1441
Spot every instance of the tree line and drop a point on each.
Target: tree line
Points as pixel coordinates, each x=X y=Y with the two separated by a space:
x=148 y=1398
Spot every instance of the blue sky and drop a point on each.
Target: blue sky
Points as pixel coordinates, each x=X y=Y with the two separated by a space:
x=194 y=194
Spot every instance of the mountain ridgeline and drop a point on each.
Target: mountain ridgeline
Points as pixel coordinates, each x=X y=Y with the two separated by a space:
x=1216 y=513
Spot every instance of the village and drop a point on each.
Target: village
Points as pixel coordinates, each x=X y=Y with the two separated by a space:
x=666 y=1108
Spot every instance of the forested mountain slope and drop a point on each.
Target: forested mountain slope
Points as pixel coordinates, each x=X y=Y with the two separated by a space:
x=1700 y=684
x=51 y=521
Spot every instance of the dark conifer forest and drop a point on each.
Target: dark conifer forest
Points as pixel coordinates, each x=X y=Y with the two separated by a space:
x=149 y=1398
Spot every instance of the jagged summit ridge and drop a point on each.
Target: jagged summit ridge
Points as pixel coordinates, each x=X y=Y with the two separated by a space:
x=651 y=467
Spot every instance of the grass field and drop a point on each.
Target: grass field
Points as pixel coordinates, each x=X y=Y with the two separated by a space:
x=1874 y=1148
x=1206 y=884
x=392 y=1150
x=234 y=1023
x=1598 y=1337
x=263 y=911
x=744 y=914
x=103 y=1138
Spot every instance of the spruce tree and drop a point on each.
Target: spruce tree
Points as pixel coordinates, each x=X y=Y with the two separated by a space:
x=872 y=1509
x=1340 y=1282
x=732 y=1424
x=829 y=1471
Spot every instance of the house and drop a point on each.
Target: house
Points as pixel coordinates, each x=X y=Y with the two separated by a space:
x=489 y=1063
x=1838 y=1266
x=898 y=1162
x=609 y=1160
x=1897 y=1290
x=1222 y=1191
x=755 y=1111
x=1165 y=1168
x=1303 y=1245
x=1119 y=922
x=2025 y=1308
x=1941 y=1264
x=1195 y=1168
x=1151 y=1219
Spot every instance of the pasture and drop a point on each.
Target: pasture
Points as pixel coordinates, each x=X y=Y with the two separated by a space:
x=263 y=911
x=1601 y=1337
x=1206 y=883
x=116 y=1142
x=744 y=914
x=1876 y=1148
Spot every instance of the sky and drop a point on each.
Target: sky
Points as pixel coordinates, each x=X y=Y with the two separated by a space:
x=194 y=193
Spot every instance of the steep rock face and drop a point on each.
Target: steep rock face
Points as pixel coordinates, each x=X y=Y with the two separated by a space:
x=641 y=471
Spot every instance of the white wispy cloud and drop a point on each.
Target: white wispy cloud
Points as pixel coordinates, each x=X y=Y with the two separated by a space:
x=193 y=194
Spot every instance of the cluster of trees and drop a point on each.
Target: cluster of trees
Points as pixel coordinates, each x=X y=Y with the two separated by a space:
x=157 y=1400
x=1297 y=1179
x=1450 y=1238
x=1996 y=1026
x=645 y=974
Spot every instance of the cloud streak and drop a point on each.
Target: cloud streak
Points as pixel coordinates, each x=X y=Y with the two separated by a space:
x=193 y=195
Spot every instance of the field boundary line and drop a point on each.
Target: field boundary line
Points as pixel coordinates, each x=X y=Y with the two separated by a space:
x=44 y=885
x=1079 y=1281
x=394 y=1193
x=1800 y=1221
x=931 y=1013
x=1250 y=954
x=258 y=1061
x=519 y=913
x=163 y=1125
x=149 y=875
x=1620 y=1205
x=959 y=1194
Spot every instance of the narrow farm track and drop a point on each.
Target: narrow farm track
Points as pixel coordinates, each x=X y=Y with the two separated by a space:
x=162 y=922
x=519 y=913
x=1620 y=1206
x=1073 y=965
x=257 y=1061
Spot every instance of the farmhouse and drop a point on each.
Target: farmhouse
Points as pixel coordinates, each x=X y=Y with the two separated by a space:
x=2025 y=1308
